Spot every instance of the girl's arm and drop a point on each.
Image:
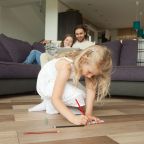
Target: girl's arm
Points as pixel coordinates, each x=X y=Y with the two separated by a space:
x=91 y=93
x=63 y=74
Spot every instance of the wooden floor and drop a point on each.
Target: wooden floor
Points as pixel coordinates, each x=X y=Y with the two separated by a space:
x=124 y=123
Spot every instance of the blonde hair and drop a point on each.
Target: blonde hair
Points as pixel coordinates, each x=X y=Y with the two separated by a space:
x=100 y=57
x=70 y=54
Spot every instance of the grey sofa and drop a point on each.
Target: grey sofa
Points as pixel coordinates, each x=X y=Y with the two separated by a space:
x=16 y=77
x=127 y=77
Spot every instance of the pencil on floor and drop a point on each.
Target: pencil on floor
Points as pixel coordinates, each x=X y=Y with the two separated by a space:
x=67 y=126
x=41 y=132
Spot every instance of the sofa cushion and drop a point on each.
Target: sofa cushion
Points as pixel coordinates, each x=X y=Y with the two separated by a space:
x=129 y=53
x=18 y=70
x=115 y=48
x=17 y=49
x=38 y=46
x=4 y=55
x=128 y=73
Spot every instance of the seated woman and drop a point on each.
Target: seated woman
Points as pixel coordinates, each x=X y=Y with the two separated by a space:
x=67 y=42
x=34 y=56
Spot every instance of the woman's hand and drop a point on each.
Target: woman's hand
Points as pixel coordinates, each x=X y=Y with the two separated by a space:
x=80 y=120
x=93 y=120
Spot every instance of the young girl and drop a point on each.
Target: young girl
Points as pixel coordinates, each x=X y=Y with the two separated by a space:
x=94 y=63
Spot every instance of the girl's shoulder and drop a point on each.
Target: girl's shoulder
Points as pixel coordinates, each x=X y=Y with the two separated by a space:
x=64 y=63
x=65 y=60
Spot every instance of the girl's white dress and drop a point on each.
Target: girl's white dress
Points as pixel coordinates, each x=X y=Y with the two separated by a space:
x=45 y=83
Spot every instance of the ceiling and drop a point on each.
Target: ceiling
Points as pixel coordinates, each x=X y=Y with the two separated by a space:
x=11 y=3
x=108 y=13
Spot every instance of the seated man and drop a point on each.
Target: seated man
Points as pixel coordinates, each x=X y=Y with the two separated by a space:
x=81 y=35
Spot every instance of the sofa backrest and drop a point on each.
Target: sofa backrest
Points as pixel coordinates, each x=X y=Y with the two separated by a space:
x=17 y=50
x=128 y=55
x=4 y=55
x=38 y=46
x=115 y=48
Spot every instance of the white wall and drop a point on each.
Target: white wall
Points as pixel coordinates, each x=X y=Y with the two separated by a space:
x=25 y=22
x=0 y=20
x=114 y=34
x=62 y=7
x=22 y=22
x=51 y=20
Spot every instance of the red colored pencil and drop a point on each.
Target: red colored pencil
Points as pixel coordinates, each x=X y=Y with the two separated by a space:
x=79 y=107
x=41 y=132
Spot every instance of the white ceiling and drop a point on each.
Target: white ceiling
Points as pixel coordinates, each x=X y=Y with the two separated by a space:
x=102 y=13
x=11 y=3
x=108 y=13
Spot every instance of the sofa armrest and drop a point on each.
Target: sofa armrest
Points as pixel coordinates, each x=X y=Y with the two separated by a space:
x=18 y=70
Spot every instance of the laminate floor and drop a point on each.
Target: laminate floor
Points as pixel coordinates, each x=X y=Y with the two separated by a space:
x=124 y=123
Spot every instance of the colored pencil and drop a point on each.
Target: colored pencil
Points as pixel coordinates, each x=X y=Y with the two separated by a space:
x=41 y=132
x=67 y=126
x=79 y=107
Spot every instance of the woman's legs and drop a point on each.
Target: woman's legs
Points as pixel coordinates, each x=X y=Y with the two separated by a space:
x=44 y=58
x=33 y=57
x=38 y=54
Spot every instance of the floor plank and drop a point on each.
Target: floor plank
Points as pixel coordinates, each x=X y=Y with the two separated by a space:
x=124 y=123
x=9 y=137
x=88 y=140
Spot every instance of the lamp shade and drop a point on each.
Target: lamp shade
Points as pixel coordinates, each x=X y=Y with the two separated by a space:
x=136 y=25
x=140 y=32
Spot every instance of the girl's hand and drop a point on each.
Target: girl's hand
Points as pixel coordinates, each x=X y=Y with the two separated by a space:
x=80 y=120
x=93 y=120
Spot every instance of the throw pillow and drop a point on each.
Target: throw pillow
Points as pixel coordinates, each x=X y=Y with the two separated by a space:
x=17 y=49
x=115 y=48
x=129 y=53
x=38 y=46
x=4 y=55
